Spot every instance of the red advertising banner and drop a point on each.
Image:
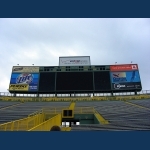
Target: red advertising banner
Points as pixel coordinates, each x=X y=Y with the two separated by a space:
x=124 y=67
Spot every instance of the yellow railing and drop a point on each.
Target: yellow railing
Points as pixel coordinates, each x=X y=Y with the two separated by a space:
x=43 y=119
x=23 y=124
x=100 y=118
x=77 y=110
x=84 y=110
x=53 y=110
x=71 y=99
x=72 y=105
x=46 y=126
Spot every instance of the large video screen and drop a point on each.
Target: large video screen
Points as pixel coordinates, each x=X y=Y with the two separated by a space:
x=125 y=80
x=24 y=82
x=102 y=81
x=74 y=81
x=47 y=82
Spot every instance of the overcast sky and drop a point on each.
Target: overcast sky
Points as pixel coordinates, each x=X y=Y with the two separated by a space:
x=42 y=41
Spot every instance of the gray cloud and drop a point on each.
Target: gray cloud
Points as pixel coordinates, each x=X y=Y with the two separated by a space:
x=42 y=41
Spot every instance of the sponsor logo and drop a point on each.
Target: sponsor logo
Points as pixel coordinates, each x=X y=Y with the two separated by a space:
x=74 y=61
x=33 y=87
x=26 y=69
x=17 y=69
x=119 y=77
x=24 y=78
x=130 y=85
x=137 y=86
x=18 y=87
x=118 y=86
x=134 y=67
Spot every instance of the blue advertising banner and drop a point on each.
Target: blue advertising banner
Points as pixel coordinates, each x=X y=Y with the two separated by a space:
x=123 y=77
x=26 y=78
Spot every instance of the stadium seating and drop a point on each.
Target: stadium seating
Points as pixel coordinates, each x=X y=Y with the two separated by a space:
x=122 y=115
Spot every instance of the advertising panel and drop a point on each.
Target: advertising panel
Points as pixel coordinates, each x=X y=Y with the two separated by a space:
x=74 y=61
x=30 y=79
x=18 y=87
x=124 y=67
x=129 y=76
x=25 y=69
x=125 y=85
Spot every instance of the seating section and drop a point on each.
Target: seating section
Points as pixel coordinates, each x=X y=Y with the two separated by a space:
x=121 y=116
x=24 y=109
x=4 y=104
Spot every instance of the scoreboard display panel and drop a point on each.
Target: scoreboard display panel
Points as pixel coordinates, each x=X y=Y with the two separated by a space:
x=74 y=81
x=102 y=81
x=47 y=82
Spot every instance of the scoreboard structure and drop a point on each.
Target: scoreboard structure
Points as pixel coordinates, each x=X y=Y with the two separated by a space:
x=75 y=79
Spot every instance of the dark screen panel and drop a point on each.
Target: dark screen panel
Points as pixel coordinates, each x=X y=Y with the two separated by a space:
x=102 y=80
x=74 y=81
x=47 y=82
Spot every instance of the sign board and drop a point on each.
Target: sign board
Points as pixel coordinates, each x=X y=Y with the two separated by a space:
x=30 y=79
x=20 y=87
x=124 y=67
x=128 y=76
x=125 y=80
x=126 y=86
x=75 y=61
x=25 y=69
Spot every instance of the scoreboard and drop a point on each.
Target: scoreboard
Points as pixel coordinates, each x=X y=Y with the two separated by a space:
x=75 y=79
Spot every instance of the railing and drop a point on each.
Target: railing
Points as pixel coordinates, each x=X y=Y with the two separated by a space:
x=23 y=124
x=56 y=120
x=77 y=110
x=100 y=118
x=72 y=95
x=46 y=126
x=72 y=106
x=95 y=98
x=53 y=110
x=84 y=110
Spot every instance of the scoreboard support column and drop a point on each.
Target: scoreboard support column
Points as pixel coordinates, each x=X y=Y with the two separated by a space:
x=112 y=93
x=55 y=94
x=14 y=95
x=37 y=95
x=93 y=94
